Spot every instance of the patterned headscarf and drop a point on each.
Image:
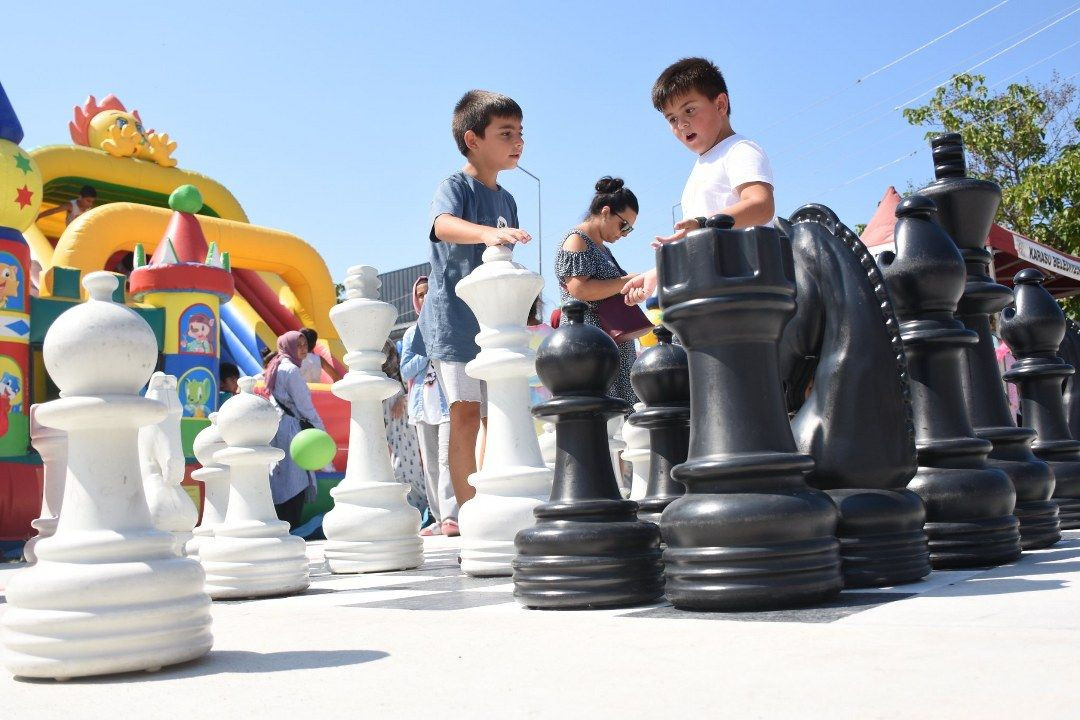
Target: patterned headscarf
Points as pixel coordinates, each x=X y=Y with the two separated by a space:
x=287 y=346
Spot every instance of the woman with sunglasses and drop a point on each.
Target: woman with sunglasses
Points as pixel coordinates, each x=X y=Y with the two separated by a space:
x=587 y=270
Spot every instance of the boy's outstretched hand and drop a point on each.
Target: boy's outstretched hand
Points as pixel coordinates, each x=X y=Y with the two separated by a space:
x=505 y=236
x=681 y=229
x=638 y=289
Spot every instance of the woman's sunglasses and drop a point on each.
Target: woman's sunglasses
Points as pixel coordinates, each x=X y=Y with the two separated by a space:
x=625 y=228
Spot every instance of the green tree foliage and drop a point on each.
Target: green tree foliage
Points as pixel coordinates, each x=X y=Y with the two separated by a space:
x=1027 y=140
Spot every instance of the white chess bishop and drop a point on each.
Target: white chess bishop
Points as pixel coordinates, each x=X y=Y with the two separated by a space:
x=251 y=553
x=215 y=479
x=371 y=528
x=161 y=455
x=514 y=478
x=109 y=593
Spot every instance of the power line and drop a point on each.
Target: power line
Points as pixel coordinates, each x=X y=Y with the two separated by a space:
x=888 y=113
x=957 y=102
x=992 y=57
x=858 y=81
x=926 y=45
x=1011 y=106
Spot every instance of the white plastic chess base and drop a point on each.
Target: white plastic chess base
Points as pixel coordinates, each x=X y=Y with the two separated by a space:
x=961 y=644
x=344 y=556
x=249 y=567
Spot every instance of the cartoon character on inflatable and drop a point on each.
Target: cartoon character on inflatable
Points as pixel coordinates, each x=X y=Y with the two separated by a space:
x=110 y=127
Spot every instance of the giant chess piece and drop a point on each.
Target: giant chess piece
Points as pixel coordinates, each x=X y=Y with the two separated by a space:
x=661 y=378
x=514 y=478
x=109 y=593
x=748 y=534
x=969 y=505
x=1033 y=331
x=966 y=208
x=372 y=528
x=251 y=553
x=161 y=457
x=51 y=445
x=638 y=454
x=843 y=363
x=1070 y=353
x=215 y=479
x=587 y=548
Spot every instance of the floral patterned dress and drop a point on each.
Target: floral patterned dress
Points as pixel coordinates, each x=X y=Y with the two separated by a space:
x=405 y=453
x=597 y=262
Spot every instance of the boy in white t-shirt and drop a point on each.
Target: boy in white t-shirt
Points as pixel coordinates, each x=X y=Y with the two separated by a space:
x=732 y=174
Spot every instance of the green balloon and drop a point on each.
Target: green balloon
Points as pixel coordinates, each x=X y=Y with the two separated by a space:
x=312 y=449
x=186 y=198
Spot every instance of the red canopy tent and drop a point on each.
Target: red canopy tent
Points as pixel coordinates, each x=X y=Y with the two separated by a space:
x=1012 y=252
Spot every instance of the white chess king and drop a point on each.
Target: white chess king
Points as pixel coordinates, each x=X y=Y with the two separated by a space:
x=371 y=528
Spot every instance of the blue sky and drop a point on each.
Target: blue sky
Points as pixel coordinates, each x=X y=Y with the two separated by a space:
x=331 y=120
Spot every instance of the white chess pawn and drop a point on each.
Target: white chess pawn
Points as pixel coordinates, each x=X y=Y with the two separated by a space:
x=638 y=453
x=514 y=478
x=371 y=527
x=547 y=445
x=108 y=593
x=215 y=480
x=251 y=553
x=51 y=445
x=617 y=444
x=161 y=456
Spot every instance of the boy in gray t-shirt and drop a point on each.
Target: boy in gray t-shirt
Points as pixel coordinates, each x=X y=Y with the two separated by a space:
x=469 y=212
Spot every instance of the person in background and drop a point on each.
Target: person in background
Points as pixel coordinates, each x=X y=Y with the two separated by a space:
x=587 y=270
x=404 y=448
x=228 y=375
x=315 y=364
x=429 y=413
x=290 y=485
x=76 y=207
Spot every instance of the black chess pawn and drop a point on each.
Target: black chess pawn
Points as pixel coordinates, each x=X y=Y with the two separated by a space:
x=966 y=208
x=587 y=549
x=969 y=505
x=661 y=379
x=1034 y=330
x=748 y=534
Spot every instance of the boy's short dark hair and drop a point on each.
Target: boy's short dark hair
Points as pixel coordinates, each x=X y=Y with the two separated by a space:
x=475 y=111
x=688 y=75
x=228 y=370
x=311 y=336
x=88 y=191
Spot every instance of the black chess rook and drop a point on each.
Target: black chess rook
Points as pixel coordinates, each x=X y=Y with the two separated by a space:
x=749 y=534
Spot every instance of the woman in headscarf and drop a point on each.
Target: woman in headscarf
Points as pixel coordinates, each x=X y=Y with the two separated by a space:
x=290 y=484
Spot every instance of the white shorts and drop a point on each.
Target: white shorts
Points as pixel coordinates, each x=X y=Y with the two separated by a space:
x=459 y=386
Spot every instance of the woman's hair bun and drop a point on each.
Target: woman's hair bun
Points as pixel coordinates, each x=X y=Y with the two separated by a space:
x=608 y=184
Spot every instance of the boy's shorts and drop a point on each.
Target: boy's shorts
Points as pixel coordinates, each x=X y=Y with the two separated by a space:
x=459 y=386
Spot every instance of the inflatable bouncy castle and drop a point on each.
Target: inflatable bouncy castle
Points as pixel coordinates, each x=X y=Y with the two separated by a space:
x=214 y=287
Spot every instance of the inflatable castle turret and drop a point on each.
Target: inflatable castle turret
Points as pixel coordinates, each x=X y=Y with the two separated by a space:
x=20 y=199
x=189 y=279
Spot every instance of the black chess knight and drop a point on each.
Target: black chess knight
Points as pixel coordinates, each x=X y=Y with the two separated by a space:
x=846 y=379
